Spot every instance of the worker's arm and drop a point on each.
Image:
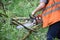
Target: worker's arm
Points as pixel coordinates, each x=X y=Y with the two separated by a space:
x=40 y=6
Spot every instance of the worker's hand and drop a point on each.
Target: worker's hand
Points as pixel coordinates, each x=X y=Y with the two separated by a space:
x=33 y=13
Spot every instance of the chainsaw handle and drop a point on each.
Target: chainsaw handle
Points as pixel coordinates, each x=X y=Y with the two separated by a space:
x=31 y=16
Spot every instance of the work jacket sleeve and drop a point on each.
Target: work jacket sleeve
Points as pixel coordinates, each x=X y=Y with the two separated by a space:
x=45 y=1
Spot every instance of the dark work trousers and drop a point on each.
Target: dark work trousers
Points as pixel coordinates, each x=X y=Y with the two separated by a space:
x=53 y=31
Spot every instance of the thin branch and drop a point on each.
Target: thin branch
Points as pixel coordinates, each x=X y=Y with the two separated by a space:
x=21 y=18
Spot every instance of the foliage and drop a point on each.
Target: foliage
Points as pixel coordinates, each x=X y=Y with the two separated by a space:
x=18 y=8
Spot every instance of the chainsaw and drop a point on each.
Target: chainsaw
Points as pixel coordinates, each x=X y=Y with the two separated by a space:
x=32 y=22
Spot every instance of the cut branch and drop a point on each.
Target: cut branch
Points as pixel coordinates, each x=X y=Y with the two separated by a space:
x=3 y=15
